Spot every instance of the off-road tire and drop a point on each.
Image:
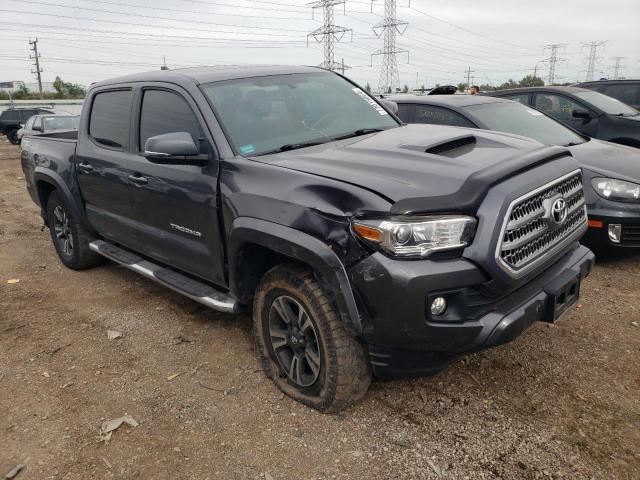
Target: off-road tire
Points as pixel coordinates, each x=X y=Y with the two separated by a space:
x=80 y=257
x=12 y=136
x=345 y=372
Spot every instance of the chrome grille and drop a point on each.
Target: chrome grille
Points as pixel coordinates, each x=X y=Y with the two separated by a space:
x=530 y=232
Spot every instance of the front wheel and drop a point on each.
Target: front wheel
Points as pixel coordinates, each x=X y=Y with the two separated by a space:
x=70 y=238
x=303 y=345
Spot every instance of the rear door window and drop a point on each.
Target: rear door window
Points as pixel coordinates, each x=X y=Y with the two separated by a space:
x=11 y=115
x=166 y=112
x=440 y=116
x=110 y=118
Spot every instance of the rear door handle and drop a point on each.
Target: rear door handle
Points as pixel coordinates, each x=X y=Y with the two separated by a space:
x=138 y=180
x=85 y=168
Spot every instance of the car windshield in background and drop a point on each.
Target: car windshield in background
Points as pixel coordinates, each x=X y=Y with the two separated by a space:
x=519 y=119
x=608 y=105
x=283 y=112
x=61 y=123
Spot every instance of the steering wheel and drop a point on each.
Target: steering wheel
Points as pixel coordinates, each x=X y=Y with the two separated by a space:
x=325 y=118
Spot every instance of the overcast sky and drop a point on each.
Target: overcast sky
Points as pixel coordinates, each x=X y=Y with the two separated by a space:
x=89 y=40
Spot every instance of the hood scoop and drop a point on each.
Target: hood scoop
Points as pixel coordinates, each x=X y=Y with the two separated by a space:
x=450 y=145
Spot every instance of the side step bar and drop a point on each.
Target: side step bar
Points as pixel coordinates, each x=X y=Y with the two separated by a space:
x=194 y=289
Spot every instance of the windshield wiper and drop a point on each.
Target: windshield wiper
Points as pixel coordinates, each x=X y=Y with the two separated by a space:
x=359 y=132
x=293 y=146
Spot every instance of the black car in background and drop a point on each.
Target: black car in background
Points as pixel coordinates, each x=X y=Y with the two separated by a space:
x=589 y=112
x=611 y=172
x=627 y=91
x=12 y=120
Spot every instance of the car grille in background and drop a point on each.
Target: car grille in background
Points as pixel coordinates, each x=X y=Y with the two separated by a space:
x=630 y=234
x=530 y=235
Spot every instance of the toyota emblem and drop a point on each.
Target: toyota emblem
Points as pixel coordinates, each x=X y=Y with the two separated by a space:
x=559 y=211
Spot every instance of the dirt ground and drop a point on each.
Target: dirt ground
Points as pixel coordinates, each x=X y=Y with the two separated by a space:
x=561 y=402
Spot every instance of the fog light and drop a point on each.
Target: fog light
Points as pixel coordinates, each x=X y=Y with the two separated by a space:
x=438 y=306
x=615 y=232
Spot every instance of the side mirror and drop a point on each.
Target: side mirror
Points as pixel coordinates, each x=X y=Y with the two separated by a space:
x=177 y=148
x=580 y=113
x=393 y=106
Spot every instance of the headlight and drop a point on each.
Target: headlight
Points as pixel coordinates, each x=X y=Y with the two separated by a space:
x=617 y=190
x=416 y=237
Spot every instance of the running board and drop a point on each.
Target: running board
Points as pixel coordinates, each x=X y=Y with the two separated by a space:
x=194 y=289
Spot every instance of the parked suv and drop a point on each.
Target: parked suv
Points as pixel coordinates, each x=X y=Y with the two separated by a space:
x=627 y=91
x=12 y=120
x=361 y=245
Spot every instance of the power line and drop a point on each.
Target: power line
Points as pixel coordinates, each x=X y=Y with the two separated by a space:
x=36 y=63
x=390 y=27
x=553 y=60
x=329 y=33
x=592 y=58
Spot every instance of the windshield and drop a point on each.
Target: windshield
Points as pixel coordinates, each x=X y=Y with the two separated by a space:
x=513 y=117
x=61 y=123
x=283 y=112
x=608 y=105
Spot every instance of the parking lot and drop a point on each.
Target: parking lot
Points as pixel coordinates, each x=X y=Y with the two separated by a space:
x=562 y=401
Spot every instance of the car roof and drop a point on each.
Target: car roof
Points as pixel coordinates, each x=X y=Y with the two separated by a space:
x=200 y=75
x=605 y=82
x=447 y=100
x=567 y=89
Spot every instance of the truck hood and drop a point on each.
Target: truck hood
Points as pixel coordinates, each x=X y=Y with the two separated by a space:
x=395 y=163
x=609 y=159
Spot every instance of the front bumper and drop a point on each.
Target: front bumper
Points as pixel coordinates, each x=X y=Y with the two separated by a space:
x=404 y=341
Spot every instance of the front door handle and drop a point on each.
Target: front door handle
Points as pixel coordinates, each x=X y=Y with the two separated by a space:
x=85 y=168
x=138 y=180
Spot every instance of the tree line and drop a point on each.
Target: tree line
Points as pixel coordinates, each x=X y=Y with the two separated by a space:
x=63 y=90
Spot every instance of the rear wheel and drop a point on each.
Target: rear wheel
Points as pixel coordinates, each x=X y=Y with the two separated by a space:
x=303 y=345
x=70 y=239
x=12 y=135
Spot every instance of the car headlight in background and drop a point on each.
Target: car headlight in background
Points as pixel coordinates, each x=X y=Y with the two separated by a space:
x=617 y=190
x=416 y=237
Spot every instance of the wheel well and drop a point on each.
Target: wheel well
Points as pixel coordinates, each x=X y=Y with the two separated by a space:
x=44 y=190
x=251 y=263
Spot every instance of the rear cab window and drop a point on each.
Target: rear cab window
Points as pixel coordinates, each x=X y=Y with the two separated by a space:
x=110 y=118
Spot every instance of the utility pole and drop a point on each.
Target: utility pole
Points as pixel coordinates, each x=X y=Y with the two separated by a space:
x=468 y=71
x=389 y=28
x=329 y=33
x=617 y=67
x=593 y=57
x=553 y=60
x=36 y=63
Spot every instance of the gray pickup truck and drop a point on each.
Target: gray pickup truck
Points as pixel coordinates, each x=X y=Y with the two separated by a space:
x=361 y=245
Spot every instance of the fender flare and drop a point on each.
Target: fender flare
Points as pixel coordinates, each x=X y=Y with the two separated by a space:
x=41 y=174
x=302 y=247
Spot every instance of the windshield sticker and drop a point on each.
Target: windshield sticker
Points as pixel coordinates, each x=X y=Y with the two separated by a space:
x=247 y=149
x=371 y=102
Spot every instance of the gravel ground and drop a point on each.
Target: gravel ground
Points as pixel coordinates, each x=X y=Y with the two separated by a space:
x=561 y=402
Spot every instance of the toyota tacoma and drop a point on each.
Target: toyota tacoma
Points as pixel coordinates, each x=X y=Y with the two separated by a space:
x=362 y=246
